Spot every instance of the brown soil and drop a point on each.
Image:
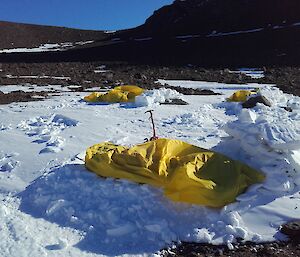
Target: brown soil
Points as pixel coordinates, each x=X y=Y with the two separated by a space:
x=21 y=96
x=18 y=35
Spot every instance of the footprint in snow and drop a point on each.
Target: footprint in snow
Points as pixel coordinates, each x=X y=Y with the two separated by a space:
x=7 y=162
x=59 y=246
x=5 y=127
x=46 y=129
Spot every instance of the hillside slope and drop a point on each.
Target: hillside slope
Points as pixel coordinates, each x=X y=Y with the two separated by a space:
x=205 y=17
x=17 y=35
x=214 y=33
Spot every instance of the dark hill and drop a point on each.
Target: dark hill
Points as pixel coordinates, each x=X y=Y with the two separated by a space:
x=204 y=17
x=18 y=35
x=202 y=32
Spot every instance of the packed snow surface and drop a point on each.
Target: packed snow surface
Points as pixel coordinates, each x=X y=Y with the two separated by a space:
x=52 y=206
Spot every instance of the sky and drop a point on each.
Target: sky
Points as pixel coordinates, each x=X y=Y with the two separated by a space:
x=83 y=14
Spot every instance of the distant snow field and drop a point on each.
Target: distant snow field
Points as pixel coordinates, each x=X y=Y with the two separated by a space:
x=52 y=206
x=46 y=47
x=215 y=86
x=37 y=77
x=252 y=73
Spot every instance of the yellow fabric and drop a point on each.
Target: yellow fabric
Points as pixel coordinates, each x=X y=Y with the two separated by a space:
x=93 y=97
x=186 y=173
x=117 y=95
x=240 y=96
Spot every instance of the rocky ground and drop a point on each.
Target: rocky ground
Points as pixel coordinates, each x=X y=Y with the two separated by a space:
x=277 y=249
x=110 y=74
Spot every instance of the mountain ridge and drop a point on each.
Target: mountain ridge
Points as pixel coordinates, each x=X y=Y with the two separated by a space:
x=199 y=32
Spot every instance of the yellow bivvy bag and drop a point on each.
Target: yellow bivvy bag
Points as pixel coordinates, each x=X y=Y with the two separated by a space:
x=240 y=96
x=185 y=172
x=117 y=95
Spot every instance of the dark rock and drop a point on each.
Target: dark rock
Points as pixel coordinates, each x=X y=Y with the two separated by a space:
x=19 y=96
x=140 y=76
x=175 y=101
x=292 y=229
x=192 y=91
x=288 y=109
x=251 y=102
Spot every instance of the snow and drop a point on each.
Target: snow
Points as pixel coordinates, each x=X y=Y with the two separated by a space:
x=219 y=34
x=34 y=88
x=252 y=73
x=52 y=206
x=215 y=86
x=110 y=31
x=38 y=77
x=157 y=96
x=143 y=39
x=47 y=47
x=187 y=36
x=101 y=71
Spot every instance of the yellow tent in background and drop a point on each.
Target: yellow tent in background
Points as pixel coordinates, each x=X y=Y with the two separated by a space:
x=186 y=173
x=240 y=96
x=117 y=95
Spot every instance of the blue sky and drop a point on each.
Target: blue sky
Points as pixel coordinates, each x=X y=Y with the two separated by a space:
x=85 y=14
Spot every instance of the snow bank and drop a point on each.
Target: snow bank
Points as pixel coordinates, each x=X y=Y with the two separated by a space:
x=270 y=136
x=156 y=96
x=120 y=217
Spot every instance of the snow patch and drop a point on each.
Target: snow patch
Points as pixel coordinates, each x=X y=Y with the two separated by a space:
x=37 y=77
x=219 y=34
x=217 y=87
x=33 y=88
x=205 y=125
x=8 y=162
x=156 y=96
x=47 y=47
x=46 y=130
x=143 y=39
x=4 y=127
x=252 y=73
